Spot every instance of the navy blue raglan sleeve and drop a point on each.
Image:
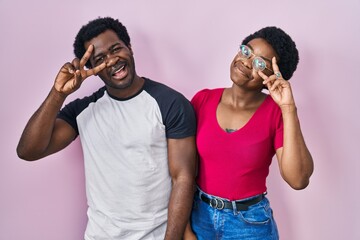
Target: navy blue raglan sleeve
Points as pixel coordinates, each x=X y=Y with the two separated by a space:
x=69 y=114
x=177 y=112
x=180 y=120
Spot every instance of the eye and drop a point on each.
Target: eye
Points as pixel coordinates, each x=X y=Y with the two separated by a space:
x=117 y=49
x=245 y=51
x=259 y=64
x=99 y=60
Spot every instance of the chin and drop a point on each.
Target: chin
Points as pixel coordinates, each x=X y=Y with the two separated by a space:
x=123 y=84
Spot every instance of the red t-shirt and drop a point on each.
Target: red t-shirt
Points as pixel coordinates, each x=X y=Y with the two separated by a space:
x=235 y=165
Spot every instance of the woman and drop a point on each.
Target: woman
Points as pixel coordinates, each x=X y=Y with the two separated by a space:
x=240 y=129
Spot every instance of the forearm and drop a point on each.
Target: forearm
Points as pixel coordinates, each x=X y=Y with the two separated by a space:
x=37 y=133
x=296 y=163
x=180 y=206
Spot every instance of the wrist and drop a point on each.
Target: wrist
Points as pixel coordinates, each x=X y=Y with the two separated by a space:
x=57 y=94
x=288 y=108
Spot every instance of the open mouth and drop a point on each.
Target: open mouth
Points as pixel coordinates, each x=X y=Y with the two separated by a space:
x=118 y=71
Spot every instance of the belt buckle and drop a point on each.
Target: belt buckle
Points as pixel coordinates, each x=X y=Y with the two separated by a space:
x=217 y=203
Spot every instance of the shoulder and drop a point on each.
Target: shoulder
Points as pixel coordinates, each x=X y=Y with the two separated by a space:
x=78 y=105
x=206 y=94
x=271 y=104
x=151 y=85
x=271 y=111
x=90 y=98
x=163 y=93
x=72 y=110
x=176 y=111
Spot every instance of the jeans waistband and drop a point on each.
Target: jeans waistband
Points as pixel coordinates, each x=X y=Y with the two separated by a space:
x=221 y=203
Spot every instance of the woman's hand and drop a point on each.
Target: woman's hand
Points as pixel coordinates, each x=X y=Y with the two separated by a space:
x=71 y=75
x=279 y=88
x=189 y=234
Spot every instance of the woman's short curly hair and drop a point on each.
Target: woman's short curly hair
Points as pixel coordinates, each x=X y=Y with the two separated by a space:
x=96 y=27
x=284 y=46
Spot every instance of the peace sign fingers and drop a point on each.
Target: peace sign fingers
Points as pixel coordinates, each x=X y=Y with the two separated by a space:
x=272 y=81
x=99 y=68
x=268 y=80
x=96 y=69
x=71 y=75
x=275 y=67
x=86 y=56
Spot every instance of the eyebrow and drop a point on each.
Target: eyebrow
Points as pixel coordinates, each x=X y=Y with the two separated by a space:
x=259 y=56
x=110 y=48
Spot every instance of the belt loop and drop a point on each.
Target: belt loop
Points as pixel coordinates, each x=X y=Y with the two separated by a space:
x=235 y=211
x=200 y=192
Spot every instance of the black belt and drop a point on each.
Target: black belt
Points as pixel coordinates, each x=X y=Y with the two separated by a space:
x=220 y=203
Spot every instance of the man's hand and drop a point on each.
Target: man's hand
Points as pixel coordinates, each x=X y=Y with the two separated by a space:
x=71 y=75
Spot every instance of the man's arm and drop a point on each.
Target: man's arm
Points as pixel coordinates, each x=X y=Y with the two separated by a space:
x=182 y=165
x=44 y=134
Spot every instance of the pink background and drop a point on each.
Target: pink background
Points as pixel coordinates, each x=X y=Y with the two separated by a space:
x=189 y=46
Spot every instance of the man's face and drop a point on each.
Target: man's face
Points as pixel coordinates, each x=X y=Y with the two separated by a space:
x=108 y=46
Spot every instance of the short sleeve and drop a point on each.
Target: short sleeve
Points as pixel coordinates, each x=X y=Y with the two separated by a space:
x=198 y=99
x=68 y=114
x=180 y=121
x=71 y=110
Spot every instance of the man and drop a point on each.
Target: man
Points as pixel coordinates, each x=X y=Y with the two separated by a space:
x=137 y=137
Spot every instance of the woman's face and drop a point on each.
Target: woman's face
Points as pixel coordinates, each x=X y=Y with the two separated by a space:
x=242 y=71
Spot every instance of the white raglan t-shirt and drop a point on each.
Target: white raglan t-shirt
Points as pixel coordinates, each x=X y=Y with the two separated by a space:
x=124 y=143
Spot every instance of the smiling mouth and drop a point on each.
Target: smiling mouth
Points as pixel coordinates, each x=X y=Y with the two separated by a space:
x=241 y=69
x=118 y=70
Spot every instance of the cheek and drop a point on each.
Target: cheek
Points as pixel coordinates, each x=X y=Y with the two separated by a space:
x=235 y=59
x=266 y=72
x=103 y=75
x=257 y=77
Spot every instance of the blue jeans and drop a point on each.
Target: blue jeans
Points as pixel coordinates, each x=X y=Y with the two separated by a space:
x=256 y=223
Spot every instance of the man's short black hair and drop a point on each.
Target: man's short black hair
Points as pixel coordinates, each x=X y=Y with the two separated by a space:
x=284 y=46
x=96 y=27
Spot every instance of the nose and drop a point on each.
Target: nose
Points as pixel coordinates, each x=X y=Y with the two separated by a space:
x=111 y=61
x=247 y=62
x=110 y=55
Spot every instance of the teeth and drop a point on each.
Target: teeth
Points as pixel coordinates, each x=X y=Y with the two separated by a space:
x=119 y=69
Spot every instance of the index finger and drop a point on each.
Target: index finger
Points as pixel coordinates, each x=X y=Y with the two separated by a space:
x=262 y=75
x=99 y=68
x=274 y=65
x=86 y=56
x=95 y=70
